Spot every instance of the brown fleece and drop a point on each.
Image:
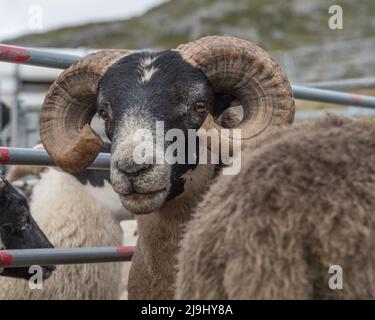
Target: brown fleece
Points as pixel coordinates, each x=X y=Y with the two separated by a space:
x=303 y=201
x=152 y=273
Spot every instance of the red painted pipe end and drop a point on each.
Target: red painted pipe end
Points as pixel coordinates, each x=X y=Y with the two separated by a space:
x=6 y=259
x=126 y=252
x=13 y=54
x=356 y=98
x=4 y=155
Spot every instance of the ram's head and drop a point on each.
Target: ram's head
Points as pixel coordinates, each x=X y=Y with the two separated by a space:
x=186 y=88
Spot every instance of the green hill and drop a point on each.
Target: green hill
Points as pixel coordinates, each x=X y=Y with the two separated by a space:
x=274 y=24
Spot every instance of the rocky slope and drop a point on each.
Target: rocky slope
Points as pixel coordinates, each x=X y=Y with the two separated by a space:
x=274 y=24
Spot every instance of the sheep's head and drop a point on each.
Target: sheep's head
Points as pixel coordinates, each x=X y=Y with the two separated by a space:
x=18 y=230
x=187 y=88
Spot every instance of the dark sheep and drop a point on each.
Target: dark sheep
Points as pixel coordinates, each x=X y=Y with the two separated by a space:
x=18 y=229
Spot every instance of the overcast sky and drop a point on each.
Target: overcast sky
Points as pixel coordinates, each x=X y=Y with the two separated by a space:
x=19 y=17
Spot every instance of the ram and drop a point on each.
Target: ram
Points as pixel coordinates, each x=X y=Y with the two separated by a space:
x=186 y=88
x=18 y=229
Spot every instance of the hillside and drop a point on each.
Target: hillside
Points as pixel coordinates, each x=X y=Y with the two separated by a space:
x=274 y=24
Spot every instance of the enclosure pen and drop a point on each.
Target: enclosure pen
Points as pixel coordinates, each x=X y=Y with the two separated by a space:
x=23 y=156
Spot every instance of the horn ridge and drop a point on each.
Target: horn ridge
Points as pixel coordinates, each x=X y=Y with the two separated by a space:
x=239 y=67
x=68 y=109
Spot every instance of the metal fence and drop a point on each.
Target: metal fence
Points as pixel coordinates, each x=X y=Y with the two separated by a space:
x=21 y=258
x=26 y=257
x=57 y=60
x=24 y=156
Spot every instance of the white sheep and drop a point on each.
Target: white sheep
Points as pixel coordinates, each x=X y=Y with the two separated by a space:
x=75 y=211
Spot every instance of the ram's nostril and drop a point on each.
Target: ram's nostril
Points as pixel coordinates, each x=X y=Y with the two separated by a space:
x=133 y=169
x=139 y=172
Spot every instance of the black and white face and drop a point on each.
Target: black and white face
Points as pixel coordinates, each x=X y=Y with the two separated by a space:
x=18 y=230
x=135 y=93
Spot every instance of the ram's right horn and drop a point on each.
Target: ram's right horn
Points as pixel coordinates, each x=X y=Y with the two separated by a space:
x=68 y=108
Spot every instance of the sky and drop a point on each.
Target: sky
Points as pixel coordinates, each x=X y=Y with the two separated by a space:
x=18 y=17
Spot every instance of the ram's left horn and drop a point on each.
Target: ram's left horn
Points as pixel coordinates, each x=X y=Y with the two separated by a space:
x=242 y=69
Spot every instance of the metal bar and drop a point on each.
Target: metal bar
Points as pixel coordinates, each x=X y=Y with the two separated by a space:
x=29 y=257
x=351 y=112
x=36 y=57
x=321 y=95
x=50 y=59
x=23 y=156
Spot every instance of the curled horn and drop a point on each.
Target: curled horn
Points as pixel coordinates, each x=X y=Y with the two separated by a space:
x=68 y=108
x=242 y=69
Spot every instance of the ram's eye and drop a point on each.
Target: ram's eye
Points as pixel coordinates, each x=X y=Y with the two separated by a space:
x=103 y=114
x=200 y=106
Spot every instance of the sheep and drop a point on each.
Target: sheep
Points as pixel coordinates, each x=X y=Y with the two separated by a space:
x=78 y=210
x=303 y=202
x=187 y=88
x=18 y=229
